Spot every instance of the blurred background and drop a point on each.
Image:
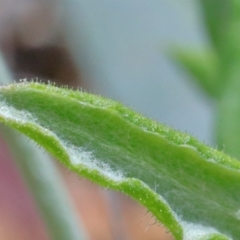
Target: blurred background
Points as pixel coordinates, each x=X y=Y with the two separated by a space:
x=118 y=49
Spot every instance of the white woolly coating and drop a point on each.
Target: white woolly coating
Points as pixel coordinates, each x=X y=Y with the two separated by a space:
x=11 y=113
x=196 y=231
x=237 y=214
x=77 y=155
x=81 y=156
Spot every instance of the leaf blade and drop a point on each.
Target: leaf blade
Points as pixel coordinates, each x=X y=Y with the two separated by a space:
x=117 y=148
x=202 y=65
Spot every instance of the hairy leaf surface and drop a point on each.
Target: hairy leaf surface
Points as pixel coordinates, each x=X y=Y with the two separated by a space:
x=190 y=188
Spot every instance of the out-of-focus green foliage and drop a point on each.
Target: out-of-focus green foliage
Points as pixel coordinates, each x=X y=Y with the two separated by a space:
x=217 y=70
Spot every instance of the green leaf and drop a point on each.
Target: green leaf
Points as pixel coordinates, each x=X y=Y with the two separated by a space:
x=119 y=149
x=214 y=237
x=228 y=127
x=202 y=65
x=217 y=17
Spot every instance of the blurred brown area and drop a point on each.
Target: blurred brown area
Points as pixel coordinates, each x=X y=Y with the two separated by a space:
x=34 y=47
x=33 y=44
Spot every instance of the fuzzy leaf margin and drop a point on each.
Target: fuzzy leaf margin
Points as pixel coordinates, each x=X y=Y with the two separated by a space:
x=191 y=189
